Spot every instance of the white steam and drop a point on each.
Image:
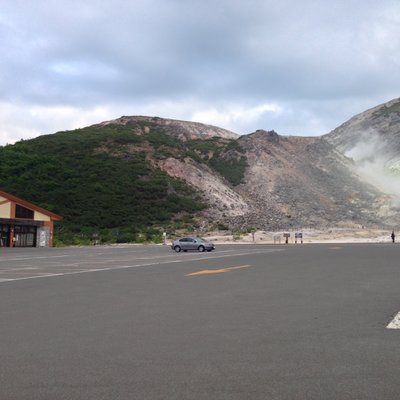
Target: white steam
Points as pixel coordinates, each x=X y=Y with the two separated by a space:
x=377 y=164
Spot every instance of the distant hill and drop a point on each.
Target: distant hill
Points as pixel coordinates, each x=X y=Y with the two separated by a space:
x=131 y=178
x=106 y=179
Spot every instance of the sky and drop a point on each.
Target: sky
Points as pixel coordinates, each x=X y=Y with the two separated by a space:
x=298 y=67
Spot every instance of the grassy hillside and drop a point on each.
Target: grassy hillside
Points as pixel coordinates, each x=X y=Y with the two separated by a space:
x=101 y=179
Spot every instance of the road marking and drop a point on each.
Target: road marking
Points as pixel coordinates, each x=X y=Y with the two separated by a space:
x=32 y=258
x=217 y=271
x=150 y=264
x=395 y=322
x=19 y=269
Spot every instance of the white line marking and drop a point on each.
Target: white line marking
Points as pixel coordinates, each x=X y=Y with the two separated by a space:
x=151 y=257
x=140 y=265
x=31 y=258
x=395 y=322
x=18 y=269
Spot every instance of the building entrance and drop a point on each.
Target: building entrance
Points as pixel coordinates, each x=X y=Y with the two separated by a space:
x=4 y=235
x=25 y=236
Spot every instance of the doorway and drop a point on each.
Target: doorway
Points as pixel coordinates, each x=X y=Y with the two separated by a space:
x=25 y=236
x=4 y=235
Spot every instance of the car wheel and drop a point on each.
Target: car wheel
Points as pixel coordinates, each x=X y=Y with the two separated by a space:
x=177 y=249
x=201 y=248
x=209 y=250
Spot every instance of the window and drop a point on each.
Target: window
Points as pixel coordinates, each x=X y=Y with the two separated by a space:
x=25 y=236
x=22 y=212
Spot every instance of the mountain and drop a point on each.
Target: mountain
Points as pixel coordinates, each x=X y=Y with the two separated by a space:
x=379 y=125
x=108 y=180
x=183 y=130
x=131 y=178
x=372 y=140
x=300 y=181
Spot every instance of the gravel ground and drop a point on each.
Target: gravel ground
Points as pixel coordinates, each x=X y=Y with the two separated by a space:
x=333 y=235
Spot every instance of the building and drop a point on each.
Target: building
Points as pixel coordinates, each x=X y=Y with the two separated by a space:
x=23 y=224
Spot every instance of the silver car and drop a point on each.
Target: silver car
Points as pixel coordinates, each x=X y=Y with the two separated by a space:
x=191 y=243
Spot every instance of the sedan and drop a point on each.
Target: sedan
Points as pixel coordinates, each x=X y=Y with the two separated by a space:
x=191 y=243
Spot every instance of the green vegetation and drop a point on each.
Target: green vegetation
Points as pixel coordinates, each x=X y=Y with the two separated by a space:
x=224 y=156
x=100 y=179
x=385 y=111
x=232 y=169
x=101 y=197
x=393 y=108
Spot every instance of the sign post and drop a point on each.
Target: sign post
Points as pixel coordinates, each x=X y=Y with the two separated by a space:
x=286 y=236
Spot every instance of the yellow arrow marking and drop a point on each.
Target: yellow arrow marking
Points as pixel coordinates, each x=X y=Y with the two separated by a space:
x=217 y=271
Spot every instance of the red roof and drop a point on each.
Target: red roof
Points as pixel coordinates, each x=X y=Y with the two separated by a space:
x=31 y=206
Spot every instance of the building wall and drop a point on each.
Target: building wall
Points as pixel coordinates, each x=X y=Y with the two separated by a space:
x=5 y=210
x=41 y=217
x=18 y=231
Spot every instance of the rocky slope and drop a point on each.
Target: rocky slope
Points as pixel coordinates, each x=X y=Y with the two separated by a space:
x=182 y=130
x=378 y=127
x=349 y=176
x=147 y=171
x=372 y=141
x=299 y=181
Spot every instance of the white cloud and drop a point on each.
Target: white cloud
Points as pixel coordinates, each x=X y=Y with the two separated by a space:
x=225 y=63
x=21 y=121
x=233 y=116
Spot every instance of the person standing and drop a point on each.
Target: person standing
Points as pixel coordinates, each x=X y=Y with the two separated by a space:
x=393 y=236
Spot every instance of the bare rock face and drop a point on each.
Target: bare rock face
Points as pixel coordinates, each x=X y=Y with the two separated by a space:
x=299 y=181
x=183 y=130
x=349 y=176
x=371 y=140
x=380 y=124
x=222 y=199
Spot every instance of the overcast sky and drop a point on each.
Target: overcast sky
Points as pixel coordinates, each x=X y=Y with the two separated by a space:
x=298 y=67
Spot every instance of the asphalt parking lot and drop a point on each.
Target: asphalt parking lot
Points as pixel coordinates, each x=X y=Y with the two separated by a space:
x=143 y=322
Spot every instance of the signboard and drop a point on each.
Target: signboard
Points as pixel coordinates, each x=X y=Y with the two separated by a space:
x=43 y=237
x=298 y=235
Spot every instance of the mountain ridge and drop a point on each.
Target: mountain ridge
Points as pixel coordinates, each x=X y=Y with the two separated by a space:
x=182 y=129
x=130 y=178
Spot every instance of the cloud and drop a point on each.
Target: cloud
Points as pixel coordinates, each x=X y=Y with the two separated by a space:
x=235 y=117
x=38 y=120
x=225 y=57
